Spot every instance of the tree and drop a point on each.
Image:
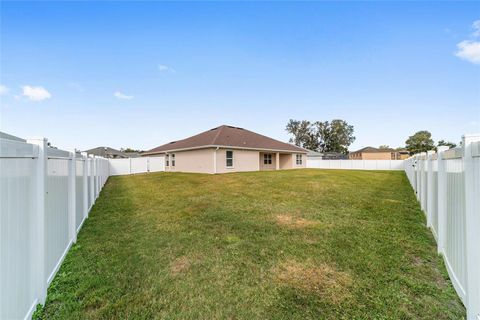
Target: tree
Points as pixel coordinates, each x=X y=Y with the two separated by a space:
x=334 y=136
x=421 y=141
x=129 y=150
x=303 y=134
x=446 y=143
x=384 y=146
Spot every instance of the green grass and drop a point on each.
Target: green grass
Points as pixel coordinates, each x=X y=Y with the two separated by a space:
x=300 y=244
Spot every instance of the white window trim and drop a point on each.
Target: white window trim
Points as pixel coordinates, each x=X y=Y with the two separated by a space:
x=233 y=160
x=265 y=157
x=296 y=159
x=173 y=160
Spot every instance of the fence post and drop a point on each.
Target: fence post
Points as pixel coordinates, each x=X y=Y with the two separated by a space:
x=414 y=174
x=472 y=223
x=94 y=177
x=417 y=178
x=72 y=176
x=442 y=199
x=85 y=184
x=422 y=191
x=40 y=190
x=92 y=182
x=429 y=204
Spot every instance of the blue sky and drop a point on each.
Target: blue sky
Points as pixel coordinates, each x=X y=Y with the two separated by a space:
x=139 y=74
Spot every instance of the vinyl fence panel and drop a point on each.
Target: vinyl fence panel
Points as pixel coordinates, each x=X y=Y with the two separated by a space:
x=156 y=164
x=356 y=164
x=18 y=297
x=56 y=219
x=79 y=192
x=44 y=194
x=120 y=166
x=136 y=165
x=139 y=165
x=447 y=185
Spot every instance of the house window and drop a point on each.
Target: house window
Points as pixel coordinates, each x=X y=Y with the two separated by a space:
x=173 y=159
x=267 y=158
x=167 y=157
x=229 y=159
x=299 y=159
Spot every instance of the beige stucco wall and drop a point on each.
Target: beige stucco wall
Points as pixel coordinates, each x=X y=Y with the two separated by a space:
x=200 y=161
x=267 y=166
x=377 y=155
x=286 y=161
x=203 y=161
x=304 y=162
x=243 y=160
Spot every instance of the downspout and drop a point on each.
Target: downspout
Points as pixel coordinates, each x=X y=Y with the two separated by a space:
x=215 y=160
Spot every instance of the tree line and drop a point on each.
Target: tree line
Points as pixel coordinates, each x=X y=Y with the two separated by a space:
x=337 y=135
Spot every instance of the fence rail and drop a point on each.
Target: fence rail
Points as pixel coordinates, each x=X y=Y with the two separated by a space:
x=356 y=164
x=447 y=185
x=136 y=165
x=45 y=196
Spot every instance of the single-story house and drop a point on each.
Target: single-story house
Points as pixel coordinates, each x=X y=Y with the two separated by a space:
x=108 y=152
x=314 y=155
x=229 y=149
x=371 y=153
x=334 y=156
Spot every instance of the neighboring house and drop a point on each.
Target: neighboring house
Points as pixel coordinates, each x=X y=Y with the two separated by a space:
x=132 y=154
x=107 y=152
x=7 y=136
x=229 y=149
x=334 y=156
x=314 y=155
x=371 y=153
x=402 y=154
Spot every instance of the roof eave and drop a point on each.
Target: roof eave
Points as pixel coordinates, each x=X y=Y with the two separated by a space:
x=222 y=146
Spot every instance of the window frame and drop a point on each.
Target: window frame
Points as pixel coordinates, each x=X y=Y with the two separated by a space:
x=167 y=160
x=172 y=159
x=227 y=158
x=299 y=159
x=267 y=158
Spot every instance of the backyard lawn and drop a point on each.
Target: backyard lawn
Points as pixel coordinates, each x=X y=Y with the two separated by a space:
x=299 y=244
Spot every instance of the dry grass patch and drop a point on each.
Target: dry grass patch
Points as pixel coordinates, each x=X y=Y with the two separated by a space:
x=320 y=279
x=180 y=265
x=392 y=201
x=293 y=222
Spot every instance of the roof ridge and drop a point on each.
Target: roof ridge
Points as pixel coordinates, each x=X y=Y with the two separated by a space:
x=287 y=143
x=218 y=134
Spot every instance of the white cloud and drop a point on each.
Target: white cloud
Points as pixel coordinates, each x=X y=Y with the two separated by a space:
x=476 y=27
x=122 y=96
x=3 y=90
x=469 y=50
x=36 y=93
x=165 y=68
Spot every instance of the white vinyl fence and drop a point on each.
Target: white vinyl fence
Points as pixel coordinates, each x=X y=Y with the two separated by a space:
x=136 y=165
x=447 y=185
x=355 y=164
x=45 y=196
